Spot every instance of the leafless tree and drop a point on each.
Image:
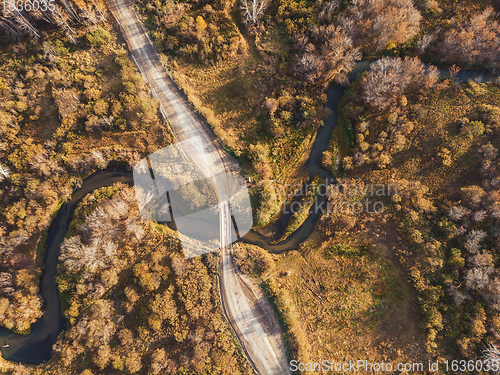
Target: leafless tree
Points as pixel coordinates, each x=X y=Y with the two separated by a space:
x=134 y=230
x=389 y=77
x=478 y=278
x=99 y=159
x=474 y=42
x=458 y=212
x=179 y=265
x=424 y=43
x=488 y=151
x=482 y=259
x=309 y=66
x=77 y=256
x=492 y=354
x=480 y=215
x=328 y=9
x=4 y=172
x=457 y=295
x=98 y=225
x=253 y=10
x=380 y=22
x=15 y=22
x=474 y=239
x=5 y=279
x=9 y=27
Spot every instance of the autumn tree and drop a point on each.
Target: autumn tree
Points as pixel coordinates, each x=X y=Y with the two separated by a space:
x=389 y=77
x=475 y=42
x=253 y=10
x=65 y=14
x=378 y=24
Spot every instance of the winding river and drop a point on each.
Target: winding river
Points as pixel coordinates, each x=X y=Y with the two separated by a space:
x=37 y=346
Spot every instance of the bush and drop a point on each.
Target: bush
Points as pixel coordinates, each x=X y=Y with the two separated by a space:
x=342 y=249
x=97 y=37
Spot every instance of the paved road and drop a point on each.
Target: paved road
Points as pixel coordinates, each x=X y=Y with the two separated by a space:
x=246 y=308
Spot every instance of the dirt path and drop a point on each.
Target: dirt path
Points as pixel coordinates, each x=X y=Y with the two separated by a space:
x=246 y=308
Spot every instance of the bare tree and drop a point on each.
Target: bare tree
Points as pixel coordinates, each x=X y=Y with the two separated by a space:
x=92 y=257
x=4 y=172
x=474 y=42
x=492 y=354
x=478 y=278
x=458 y=212
x=457 y=295
x=17 y=23
x=14 y=22
x=99 y=159
x=474 y=239
x=379 y=23
x=389 y=77
x=253 y=10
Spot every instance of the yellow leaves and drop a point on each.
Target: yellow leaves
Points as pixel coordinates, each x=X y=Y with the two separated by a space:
x=181 y=330
x=133 y=362
x=155 y=322
x=148 y=280
x=25 y=279
x=15 y=212
x=4 y=305
x=93 y=93
x=67 y=101
x=48 y=196
x=116 y=108
x=100 y=107
x=164 y=307
x=477 y=326
x=131 y=294
x=21 y=106
x=103 y=356
x=200 y=24
x=73 y=311
x=109 y=278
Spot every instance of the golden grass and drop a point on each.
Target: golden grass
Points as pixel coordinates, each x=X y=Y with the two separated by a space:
x=342 y=308
x=348 y=308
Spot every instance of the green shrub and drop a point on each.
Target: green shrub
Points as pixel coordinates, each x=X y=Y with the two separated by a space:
x=342 y=249
x=98 y=37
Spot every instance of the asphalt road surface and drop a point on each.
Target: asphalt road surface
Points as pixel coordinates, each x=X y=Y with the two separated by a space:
x=247 y=309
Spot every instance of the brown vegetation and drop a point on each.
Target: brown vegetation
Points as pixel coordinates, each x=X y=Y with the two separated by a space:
x=441 y=144
x=194 y=30
x=141 y=307
x=339 y=300
x=376 y=25
x=62 y=114
x=475 y=42
x=146 y=295
x=21 y=18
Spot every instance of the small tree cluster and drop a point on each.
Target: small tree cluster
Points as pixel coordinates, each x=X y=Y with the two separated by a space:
x=65 y=14
x=474 y=43
x=389 y=77
x=204 y=33
x=95 y=248
x=377 y=24
x=328 y=52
